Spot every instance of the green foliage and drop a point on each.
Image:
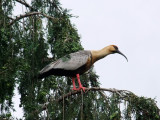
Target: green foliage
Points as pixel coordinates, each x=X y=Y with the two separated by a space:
x=25 y=48
x=143 y=108
x=8 y=60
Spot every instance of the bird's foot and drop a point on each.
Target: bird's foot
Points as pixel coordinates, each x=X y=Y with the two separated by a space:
x=81 y=88
x=75 y=89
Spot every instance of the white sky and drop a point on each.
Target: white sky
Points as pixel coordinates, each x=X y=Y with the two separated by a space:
x=132 y=25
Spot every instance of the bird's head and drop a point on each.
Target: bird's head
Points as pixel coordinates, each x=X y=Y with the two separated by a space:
x=114 y=49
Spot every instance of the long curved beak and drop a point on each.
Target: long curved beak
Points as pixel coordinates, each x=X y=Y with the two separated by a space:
x=122 y=55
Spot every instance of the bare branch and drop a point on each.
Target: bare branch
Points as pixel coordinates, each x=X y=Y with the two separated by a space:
x=30 y=14
x=112 y=90
x=93 y=89
x=25 y=4
x=10 y=18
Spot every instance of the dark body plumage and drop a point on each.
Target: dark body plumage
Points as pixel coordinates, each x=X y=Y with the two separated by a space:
x=69 y=65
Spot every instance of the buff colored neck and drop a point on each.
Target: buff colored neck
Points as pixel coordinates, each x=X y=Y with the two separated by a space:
x=99 y=54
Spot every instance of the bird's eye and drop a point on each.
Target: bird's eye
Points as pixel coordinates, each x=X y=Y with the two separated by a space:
x=115 y=47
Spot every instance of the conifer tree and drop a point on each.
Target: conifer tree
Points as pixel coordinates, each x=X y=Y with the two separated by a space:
x=44 y=33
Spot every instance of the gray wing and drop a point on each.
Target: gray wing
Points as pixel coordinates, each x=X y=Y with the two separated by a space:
x=72 y=61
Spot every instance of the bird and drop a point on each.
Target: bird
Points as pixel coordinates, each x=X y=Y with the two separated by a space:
x=75 y=64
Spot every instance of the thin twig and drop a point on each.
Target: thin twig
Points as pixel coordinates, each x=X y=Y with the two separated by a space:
x=63 y=108
x=82 y=106
x=30 y=14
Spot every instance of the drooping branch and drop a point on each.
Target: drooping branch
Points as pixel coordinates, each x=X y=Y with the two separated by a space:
x=93 y=89
x=125 y=95
x=121 y=93
x=30 y=14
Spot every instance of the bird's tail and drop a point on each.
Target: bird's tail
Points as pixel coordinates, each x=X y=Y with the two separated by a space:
x=40 y=76
x=43 y=75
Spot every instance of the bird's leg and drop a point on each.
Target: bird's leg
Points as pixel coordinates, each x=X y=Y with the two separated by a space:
x=73 y=81
x=80 y=85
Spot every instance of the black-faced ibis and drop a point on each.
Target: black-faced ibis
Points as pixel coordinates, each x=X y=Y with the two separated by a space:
x=77 y=63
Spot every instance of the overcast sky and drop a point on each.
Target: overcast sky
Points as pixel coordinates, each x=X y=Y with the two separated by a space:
x=132 y=25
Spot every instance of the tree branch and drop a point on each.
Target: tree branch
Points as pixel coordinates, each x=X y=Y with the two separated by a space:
x=94 y=89
x=121 y=93
x=30 y=14
x=25 y=4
